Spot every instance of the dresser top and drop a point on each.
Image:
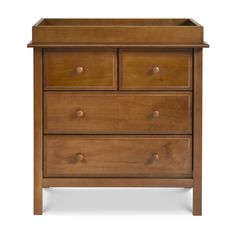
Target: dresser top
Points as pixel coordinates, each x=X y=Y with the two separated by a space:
x=117 y=32
x=116 y=22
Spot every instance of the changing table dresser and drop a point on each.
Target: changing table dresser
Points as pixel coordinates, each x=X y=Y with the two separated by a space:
x=117 y=103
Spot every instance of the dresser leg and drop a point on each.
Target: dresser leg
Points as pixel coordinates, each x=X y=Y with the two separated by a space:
x=38 y=200
x=197 y=201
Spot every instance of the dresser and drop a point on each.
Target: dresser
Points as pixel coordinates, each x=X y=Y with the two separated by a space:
x=117 y=103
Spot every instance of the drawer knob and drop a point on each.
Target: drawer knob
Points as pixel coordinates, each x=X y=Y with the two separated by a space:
x=156 y=113
x=156 y=157
x=80 y=156
x=79 y=69
x=155 y=69
x=79 y=113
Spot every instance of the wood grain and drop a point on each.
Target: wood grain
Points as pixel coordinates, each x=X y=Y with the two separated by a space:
x=99 y=69
x=117 y=22
x=197 y=134
x=123 y=31
x=38 y=127
x=118 y=182
x=117 y=156
x=145 y=130
x=117 y=113
x=136 y=69
x=119 y=45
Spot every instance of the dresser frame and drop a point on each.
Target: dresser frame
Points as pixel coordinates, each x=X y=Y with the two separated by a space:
x=196 y=182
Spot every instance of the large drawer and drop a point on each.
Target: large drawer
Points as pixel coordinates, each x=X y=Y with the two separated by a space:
x=117 y=156
x=155 y=69
x=80 y=69
x=117 y=113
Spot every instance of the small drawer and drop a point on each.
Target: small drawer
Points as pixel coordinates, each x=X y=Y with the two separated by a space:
x=117 y=156
x=80 y=69
x=117 y=113
x=153 y=69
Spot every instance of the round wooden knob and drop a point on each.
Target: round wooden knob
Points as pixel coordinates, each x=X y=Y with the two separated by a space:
x=79 y=69
x=155 y=69
x=79 y=113
x=156 y=156
x=156 y=113
x=80 y=156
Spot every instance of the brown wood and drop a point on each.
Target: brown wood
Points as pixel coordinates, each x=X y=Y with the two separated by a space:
x=118 y=31
x=117 y=156
x=38 y=127
x=197 y=134
x=145 y=130
x=118 y=45
x=118 y=182
x=98 y=69
x=117 y=113
x=116 y=22
x=137 y=69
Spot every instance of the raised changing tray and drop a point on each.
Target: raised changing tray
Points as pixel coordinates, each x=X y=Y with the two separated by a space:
x=122 y=32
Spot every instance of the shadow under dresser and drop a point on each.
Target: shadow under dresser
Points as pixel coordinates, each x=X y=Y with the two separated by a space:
x=117 y=103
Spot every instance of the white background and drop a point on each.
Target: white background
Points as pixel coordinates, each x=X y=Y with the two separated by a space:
x=117 y=212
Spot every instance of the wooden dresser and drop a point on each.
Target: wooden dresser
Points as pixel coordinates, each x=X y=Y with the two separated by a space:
x=117 y=103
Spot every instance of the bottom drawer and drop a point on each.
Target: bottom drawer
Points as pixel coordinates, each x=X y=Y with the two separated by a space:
x=117 y=156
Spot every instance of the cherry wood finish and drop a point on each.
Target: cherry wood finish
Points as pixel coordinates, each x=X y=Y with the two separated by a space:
x=197 y=134
x=118 y=45
x=38 y=136
x=118 y=182
x=149 y=69
x=117 y=113
x=140 y=137
x=116 y=22
x=117 y=31
x=80 y=69
x=117 y=156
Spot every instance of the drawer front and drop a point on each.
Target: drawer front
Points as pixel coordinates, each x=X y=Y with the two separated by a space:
x=117 y=113
x=155 y=69
x=117 y=156
x=80 y=69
